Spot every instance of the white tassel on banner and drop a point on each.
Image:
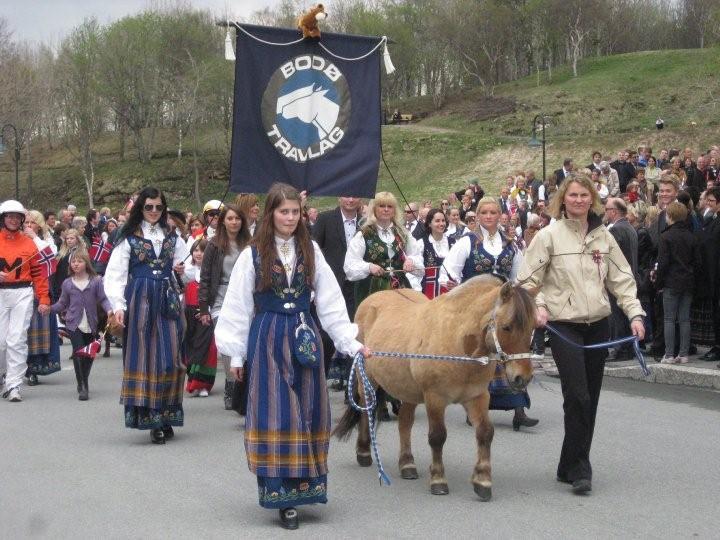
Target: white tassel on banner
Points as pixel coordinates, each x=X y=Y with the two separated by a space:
x=229 y=52
x=389 y=68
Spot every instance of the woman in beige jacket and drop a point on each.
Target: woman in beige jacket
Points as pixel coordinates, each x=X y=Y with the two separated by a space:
x=574 y=262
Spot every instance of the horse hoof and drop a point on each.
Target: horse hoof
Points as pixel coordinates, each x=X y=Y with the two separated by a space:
x=439 y=489
x=484 y=492
x=409 y=473
x=364 y=460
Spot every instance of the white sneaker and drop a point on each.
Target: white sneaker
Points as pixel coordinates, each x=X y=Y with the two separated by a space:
x=203 y=393
x=537 y=357
x=681 y=360
x=195 y=393
x=667 y=360
x=14 y=395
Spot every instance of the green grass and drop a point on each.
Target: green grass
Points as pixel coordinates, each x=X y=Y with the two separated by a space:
x=613 y=103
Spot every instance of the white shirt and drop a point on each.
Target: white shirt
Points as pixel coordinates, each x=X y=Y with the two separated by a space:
x=84 y=325
x=455 y=261
x=356 y=268
x=349 y=225
x=238 y=309
x=116 y=273
x=441 y=247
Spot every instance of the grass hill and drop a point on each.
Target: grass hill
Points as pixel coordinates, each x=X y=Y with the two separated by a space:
x=612 y=104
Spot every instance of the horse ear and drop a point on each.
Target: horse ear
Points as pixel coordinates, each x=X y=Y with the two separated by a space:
x=506 y=291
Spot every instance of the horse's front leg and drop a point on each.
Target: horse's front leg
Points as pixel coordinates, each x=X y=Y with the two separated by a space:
x=437 y=435
x=406 y=419
x=477 y=410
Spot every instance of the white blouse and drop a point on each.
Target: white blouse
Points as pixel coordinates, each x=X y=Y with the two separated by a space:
x=118 y=268
x=441 y=247
x=356 y=268
x=455 y=261
x=238 y=309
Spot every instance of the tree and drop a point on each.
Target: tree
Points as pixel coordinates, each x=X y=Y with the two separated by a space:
x=78 y=94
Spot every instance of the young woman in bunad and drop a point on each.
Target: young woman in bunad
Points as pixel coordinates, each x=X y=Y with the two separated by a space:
x=435 y=246
x=222 y=251
x=200 y=350
x=266 y=328
x=489 y=251
x=43 y=339
x=20 y=275
x=574 y=262
x=141 y=286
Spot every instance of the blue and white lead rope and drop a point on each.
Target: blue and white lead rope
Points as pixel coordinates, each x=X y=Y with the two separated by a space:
x=606 y=345
x=369 y=409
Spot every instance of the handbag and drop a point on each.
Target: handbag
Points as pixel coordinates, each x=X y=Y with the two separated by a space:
x=307 y=346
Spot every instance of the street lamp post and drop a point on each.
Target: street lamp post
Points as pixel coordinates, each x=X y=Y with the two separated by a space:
x=540 y=119
x=17 y=156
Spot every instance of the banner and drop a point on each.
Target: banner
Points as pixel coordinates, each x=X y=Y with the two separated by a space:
x=305 y=116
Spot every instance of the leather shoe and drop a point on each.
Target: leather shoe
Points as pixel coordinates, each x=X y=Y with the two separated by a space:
x=521 y=419
x=168 y=432
x=581 y=485
x=33 y=380
x=711 y=356
x=157 y=436
x=289 y=518
x=563 y=479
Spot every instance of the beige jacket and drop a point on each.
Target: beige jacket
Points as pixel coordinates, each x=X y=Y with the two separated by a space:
x=574 y=273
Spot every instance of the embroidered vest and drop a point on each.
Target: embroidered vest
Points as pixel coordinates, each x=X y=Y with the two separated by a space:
x=481 y=262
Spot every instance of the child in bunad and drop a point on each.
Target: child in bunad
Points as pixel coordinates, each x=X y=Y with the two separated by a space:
x=200 y=351
x=80 y=295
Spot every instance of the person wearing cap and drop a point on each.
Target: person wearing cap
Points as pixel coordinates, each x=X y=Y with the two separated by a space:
x=211 y=213
x=20 y=274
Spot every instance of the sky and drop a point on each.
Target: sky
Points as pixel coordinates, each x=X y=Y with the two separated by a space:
x=49 y=21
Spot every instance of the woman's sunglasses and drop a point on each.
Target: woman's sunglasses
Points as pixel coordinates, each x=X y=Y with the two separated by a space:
x=156 y=207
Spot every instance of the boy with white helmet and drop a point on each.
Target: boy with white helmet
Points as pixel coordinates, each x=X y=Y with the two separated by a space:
x=19 y=272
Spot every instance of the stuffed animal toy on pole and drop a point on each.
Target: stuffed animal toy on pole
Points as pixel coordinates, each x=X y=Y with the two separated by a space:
x=308 y=22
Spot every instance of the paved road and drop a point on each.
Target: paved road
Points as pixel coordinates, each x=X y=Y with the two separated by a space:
x=70 y=469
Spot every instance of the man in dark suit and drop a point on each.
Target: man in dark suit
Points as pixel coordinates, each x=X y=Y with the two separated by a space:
x=625 y=169
x=333 y=230
x=596 y=159
x=710 y=271
x=504 y=201
x=626 y=237
x=565 y=171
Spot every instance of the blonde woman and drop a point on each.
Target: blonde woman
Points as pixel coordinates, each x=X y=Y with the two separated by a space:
x=382 y=254
x=43 y=340
x=576 y=263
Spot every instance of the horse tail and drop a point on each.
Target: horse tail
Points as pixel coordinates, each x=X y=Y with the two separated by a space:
x=347 y=423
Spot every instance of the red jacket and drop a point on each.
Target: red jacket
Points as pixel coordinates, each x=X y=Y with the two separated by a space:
x=18 y=259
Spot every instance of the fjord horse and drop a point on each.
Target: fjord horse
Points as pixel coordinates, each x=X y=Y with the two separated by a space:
x=467 y=321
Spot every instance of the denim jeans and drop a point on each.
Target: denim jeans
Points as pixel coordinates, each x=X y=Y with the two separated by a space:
x=676 y=307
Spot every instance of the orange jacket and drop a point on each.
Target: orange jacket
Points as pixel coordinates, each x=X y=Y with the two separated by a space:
x=16 y=248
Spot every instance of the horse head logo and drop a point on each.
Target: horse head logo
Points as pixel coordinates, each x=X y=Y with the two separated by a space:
x=310 y=105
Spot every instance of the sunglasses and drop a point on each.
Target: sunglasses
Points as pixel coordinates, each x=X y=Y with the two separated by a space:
x=213 y=213
x=156 y=207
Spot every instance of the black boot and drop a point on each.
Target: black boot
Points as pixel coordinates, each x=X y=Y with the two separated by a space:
x=78 y=373
x=228 y=395
x=85 y=366
x=521 y=419
x=106 y=354
x=289 y=518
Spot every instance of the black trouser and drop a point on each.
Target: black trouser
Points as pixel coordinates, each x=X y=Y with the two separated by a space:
x=716 y=320
x=581 y=374
x=79 y=339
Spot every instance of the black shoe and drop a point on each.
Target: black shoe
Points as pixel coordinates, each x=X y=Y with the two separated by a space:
x=692 y=350
x=563 y=479
x=338 y=386
x=83 y=394
x=85 y=367
x=157 y=436
x=227 y=398
x=33 y=380
x=521 y=419
x=289 y=518
x=168 y=432
x=713 y=355
x=581 y=485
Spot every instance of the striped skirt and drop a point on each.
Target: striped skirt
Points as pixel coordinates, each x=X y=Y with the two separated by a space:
x=153 y=371
x=701 y=322
x=287 y=427
x=43 y=344
x=502 y=398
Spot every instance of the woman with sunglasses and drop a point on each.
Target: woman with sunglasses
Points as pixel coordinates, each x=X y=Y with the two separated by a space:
x=141 y=287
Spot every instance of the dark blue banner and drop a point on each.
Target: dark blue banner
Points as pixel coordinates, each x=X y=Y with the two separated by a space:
x=304 y=116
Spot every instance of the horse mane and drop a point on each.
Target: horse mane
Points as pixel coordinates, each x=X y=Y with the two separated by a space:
x=523 y=308
x=473 y=286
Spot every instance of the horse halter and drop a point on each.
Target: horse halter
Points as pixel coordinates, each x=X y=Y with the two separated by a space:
x=499 y=354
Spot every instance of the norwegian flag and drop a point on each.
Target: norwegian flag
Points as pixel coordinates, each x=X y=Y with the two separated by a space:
x=90 y=351
x=45 y=262
x=99 y=251
x=431 y=283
